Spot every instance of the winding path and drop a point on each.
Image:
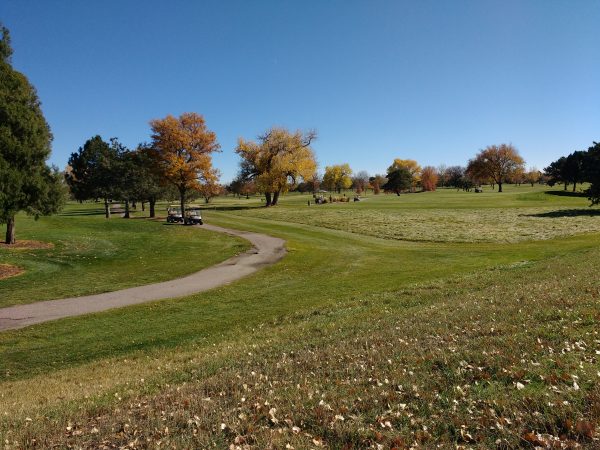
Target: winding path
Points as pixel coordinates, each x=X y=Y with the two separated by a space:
x=266 y=250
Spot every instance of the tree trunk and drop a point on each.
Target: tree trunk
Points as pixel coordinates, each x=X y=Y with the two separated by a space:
x=126 y=215
x=565 y=185
x=152 y=211
x=143 y=206
x=499 y=187
x=275 y=198
x=268 y=198
x=10 y=231
x=106 y=209
x=574 y=186
x=182 y=203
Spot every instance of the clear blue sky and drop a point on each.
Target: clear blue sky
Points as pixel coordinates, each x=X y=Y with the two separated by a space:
x=428 y=80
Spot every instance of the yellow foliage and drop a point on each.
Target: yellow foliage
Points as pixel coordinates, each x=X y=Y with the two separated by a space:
x=279 y=159
x=411 y=165
x=182 y=149
x=337 y=177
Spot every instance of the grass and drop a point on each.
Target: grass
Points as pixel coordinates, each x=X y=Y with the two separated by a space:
x=516 y=215
x=350 y=341
x=93 y=255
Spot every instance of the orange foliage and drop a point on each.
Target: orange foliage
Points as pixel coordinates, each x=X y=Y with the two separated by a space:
x=429 y=178
x=182 y=149
x=497 y=163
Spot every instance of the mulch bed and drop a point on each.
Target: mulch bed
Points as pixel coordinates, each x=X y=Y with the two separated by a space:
x=28 y=245
x=7 y=271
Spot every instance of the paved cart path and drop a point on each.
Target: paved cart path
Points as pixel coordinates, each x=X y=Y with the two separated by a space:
x=266 y=250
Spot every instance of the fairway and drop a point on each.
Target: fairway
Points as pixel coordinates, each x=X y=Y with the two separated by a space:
x=424 y=315
x=91 y=255
x=518 y=214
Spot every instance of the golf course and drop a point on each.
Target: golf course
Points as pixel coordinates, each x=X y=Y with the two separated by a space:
x=267 y=225
x=452 y=317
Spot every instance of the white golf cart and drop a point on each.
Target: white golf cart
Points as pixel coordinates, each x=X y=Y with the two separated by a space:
x=193 y=215
x=174 y=214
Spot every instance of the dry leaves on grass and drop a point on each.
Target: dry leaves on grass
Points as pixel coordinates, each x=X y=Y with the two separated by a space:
x=28 y=245
x=6 y=271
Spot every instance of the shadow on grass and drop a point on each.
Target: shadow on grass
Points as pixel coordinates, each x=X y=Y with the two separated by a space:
x=567 y=193
x=566 y=213
x=233 y=208
x=83 y=212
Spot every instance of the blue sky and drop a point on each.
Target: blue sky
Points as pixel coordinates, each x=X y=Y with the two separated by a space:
x=428 y=80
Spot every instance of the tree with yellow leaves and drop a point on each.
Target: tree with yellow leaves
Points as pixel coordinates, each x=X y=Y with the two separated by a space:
x=278 y=159
x=337 y=177
x=182 y=148
x=411 y=165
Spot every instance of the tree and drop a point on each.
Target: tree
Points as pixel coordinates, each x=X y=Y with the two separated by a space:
x=398 y=179
x=337 y=177
x=573 y=170
x=592 y=172
x=279 y=159
x=209 y=185
x=314 y=182
x=518 y=176
x=454 y=176
x=411 y=165
x=555 y=172
x=442 y=175
x=26 y=182
x=94 y=172
x=533 y=176
x=429 y=178
x=377 y=182
x=149 y=187
x=360 y=181
x=182 y=148
x=496 y=162
x=126 y=175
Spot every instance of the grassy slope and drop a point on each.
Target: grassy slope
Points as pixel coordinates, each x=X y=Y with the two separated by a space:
x=93 y=255
x=340 y=300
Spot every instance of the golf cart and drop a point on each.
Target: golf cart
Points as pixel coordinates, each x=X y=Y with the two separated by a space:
x=193 y=215
x=174 y=214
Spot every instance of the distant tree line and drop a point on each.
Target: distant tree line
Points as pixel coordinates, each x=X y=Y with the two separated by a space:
x=495 y=165
x=177 y=163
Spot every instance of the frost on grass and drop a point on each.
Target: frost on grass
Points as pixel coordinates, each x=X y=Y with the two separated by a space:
x=443 y=225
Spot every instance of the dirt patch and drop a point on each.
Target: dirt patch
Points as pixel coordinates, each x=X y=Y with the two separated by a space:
x=6 y=271
x=28 y=245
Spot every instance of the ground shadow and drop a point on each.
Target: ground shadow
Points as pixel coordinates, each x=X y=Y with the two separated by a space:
x=567 y=193
x=566 y=213
x=232 y=208
x=82 y=212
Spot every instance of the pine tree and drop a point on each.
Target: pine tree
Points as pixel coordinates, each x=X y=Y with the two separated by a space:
x=26 y=182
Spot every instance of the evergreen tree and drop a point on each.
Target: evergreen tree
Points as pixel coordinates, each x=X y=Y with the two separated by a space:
x=26 y=182
x=94 y=172
x=398 y=179
x=592 y=169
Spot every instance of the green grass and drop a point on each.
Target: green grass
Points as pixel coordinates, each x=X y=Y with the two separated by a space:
x=93 y=255
x=334 y=329
x=516 y=215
